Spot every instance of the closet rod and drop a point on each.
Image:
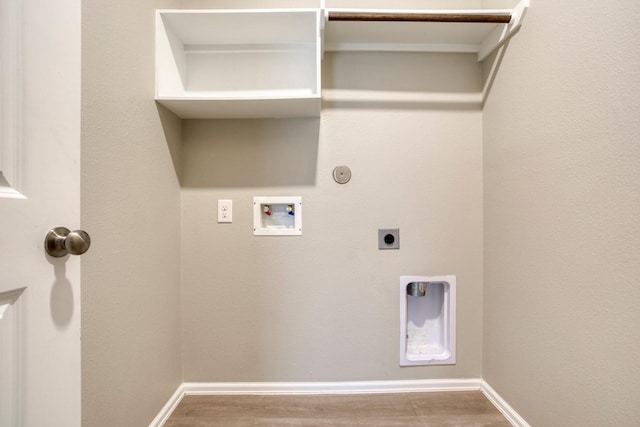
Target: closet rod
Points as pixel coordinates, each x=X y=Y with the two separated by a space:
x=418 y=17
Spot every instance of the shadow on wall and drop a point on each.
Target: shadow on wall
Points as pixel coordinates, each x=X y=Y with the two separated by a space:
x=401 y=81
x=491 y=65
x=172 y=128
x=250 y=152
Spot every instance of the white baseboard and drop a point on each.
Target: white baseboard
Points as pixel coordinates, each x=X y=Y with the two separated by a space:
x=168 y=408
x=347 y=387
x=509 y=413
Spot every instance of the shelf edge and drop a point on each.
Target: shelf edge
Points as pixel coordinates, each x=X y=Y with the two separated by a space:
x=499 y=36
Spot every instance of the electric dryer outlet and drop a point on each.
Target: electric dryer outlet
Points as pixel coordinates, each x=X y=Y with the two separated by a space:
x=389 y=238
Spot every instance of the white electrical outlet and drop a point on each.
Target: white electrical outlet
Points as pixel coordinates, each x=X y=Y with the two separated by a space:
x=225 y=210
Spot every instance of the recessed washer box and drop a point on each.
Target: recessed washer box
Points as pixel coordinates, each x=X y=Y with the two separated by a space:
x=277 y=216
x=427 y=320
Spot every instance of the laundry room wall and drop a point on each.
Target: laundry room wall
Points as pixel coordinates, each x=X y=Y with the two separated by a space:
x=131 y=317
x=562 y=216
x=323 y=306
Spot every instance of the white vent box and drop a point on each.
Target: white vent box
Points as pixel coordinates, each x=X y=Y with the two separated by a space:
x=427 y=320
x=277 y=216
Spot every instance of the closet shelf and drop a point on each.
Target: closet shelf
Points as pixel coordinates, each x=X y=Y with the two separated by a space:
x=479 y=31
x=238 y=63
x=253 y=63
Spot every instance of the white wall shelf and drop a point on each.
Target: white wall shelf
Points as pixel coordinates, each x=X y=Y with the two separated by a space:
x=238 y=63
x=479 y=31
x=265 y=63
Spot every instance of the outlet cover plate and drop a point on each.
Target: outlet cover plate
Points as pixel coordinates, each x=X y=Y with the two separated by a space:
x=389 y=238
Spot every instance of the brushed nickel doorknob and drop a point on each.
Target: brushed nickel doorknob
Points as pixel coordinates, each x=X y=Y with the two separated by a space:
x=60 y=242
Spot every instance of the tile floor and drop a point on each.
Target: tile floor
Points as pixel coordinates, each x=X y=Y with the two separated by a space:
x=447 y=409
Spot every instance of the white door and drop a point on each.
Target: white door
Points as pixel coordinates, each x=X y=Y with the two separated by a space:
x=40 y=160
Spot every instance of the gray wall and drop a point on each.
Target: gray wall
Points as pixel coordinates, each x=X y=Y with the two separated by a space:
x=324 y=306
x=562 y=217
x=131 y=360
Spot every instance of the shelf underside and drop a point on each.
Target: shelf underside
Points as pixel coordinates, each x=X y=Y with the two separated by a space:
x=224 y=107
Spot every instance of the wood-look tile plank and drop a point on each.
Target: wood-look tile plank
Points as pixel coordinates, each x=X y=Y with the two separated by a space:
x=402 y=421
x=465 y=421
x=452 y=403
x=303 y=422
x=381 y=405
x=460 y=409
x=320 y=406
x=222 y=406
x=336 y=406
x=192 y=421
x=493 y=420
